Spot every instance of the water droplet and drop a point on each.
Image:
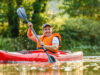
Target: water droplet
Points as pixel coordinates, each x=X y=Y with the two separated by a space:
x=23 y=68
x=54 y=68
x=33 y=68
x=41 y=69
x=95 y=68
x=94 y=64
x=68 y=69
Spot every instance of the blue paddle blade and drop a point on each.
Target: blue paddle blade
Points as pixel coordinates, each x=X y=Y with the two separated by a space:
x=21 y=12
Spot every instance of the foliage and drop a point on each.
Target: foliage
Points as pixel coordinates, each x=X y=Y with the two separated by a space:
x=88 y=8
x=77 y=33
x=11 y=26
x=13 y=23
x=16 y=44
x=39 y=17
x=35 y=11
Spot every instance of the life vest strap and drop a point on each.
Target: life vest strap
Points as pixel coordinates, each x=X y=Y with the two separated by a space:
x=39 y=48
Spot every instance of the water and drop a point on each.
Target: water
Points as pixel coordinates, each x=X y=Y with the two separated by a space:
x=88 y=66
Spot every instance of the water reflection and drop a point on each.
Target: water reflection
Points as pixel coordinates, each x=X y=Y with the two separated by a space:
x=89 y=66
x=64 y=68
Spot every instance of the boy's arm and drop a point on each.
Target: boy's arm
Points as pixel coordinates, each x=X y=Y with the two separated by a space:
x=31 y=35
x=53 y=47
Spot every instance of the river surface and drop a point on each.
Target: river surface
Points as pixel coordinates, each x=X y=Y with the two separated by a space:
x=90 y=65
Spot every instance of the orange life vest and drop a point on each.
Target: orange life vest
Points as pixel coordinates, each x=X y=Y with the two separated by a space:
x=48 y=41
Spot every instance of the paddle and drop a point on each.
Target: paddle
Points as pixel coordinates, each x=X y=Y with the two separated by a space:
x=21 y=12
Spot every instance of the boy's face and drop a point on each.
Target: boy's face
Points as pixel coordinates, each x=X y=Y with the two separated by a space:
x=47 y=31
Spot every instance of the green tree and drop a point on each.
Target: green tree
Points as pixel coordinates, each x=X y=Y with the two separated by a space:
x=3 y=20
x=13 y=23
x=88 y=8
x=38 y=19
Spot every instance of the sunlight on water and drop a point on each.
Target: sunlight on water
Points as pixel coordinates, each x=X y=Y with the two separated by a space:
x=88 y=66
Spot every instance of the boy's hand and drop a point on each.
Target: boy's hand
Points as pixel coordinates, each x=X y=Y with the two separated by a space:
x=30 y=24
x=41 y=43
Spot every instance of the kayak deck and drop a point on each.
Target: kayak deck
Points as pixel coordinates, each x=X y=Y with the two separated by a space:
x=39 y=56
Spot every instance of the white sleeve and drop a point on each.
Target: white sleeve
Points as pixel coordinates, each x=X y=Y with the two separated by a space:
x=55 y=40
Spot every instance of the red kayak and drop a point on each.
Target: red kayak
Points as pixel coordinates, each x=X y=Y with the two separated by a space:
x=38 y=56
